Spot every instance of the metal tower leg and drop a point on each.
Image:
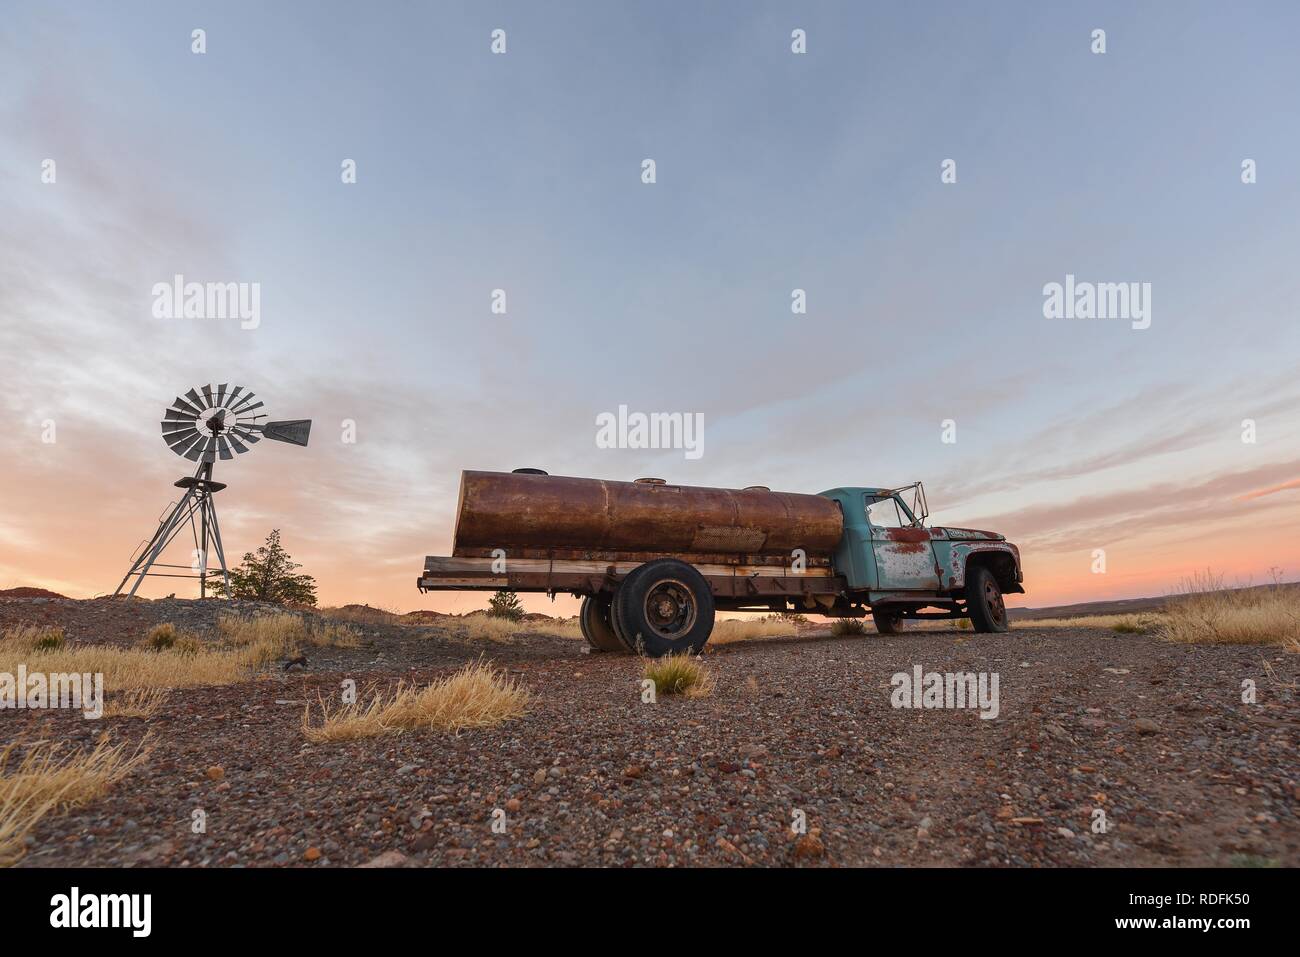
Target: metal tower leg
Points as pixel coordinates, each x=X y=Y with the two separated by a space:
x=166 y=532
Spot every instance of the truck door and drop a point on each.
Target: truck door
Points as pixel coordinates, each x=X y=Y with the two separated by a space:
x=904 y=553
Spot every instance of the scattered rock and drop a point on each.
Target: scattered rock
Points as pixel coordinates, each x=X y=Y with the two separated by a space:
x=387 y=859
x=809 y=846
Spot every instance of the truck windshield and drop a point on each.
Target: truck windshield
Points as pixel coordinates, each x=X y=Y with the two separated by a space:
x=883 y=513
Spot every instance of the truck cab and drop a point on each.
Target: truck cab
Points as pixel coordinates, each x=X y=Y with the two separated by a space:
x=894 y=563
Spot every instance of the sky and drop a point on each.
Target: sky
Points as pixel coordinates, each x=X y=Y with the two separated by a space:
x=924 y=352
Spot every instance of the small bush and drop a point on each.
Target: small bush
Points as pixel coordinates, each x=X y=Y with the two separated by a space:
x=848 y=626
x=505 y=604
x=679 y=674
x=161 y=637
x=963 y=624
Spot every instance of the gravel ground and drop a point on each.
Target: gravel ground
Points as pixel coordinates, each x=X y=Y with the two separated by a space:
x=1154 y=734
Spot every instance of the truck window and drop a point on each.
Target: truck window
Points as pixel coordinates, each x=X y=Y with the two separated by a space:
x=883 y=513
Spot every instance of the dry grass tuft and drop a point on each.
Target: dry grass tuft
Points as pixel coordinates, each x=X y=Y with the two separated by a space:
x=167 y=637
x=1205 y=611
x=848 y=626
x=32 y=638
x=487 y=628
x=476 y=696
x=139 y=703
x=47 y=779
x=727 y=630
x=363 y=615
x=679 y=674
x=270 y=637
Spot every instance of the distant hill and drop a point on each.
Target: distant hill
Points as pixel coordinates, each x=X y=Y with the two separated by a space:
x=1120 y=606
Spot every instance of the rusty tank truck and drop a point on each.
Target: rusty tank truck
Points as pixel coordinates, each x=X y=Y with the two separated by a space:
x=653 y=561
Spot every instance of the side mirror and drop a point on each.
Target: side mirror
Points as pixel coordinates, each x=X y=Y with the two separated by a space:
x=919 y=507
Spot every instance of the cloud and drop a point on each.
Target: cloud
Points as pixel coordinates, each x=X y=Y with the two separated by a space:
x=1271 y=490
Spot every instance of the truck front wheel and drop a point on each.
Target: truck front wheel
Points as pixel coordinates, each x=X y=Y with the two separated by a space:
x=664 y=607
x=593 y=619
x=984 y=600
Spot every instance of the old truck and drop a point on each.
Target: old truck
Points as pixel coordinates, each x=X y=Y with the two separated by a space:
x=653 y=561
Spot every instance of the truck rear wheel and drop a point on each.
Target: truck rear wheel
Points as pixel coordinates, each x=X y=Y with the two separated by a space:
x=664 y=607
x=888 y=622
x=593 y=619
x=984 y=603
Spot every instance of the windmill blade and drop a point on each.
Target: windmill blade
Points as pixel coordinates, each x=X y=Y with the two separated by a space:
x=234 y=440
x=244 y=433
x=244 y=410
x=207 y=394
x=196 y=399
x=223 y=448
x=182 y=406
x=221 y=394
x=195 y=451
x=242 y=404
x=178 y=415
x=172 y=428
x=181 y=442
x=292 y=431
x=192 y=444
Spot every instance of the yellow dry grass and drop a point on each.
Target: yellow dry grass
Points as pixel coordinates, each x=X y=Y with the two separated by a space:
x=170 y=659
x=126 y=669
x=476 y=696
x=48 y=778
x=268 y=637
x=679 y=674
x=364 y=615
x=140 y=703
x=488 y=628
x=29 y=637
x=1204 y=611
x=1124 y=624
x=727 y=630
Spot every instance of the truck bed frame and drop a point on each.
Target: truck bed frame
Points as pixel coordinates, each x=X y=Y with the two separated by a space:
x=751 y=584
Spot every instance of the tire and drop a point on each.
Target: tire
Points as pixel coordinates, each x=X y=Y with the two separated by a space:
x=664 y=607
x=984 y=604
x=593 y=619
x=888 y=622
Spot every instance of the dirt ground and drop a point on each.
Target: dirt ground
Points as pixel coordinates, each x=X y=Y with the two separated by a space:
x=1153 y=734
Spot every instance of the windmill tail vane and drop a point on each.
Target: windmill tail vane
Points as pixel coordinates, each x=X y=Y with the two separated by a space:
x=206 y=424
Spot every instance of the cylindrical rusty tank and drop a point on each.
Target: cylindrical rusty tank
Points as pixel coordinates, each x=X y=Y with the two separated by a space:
x=505 y=510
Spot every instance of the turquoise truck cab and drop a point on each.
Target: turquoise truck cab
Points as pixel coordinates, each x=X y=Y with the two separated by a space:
x=890 y=560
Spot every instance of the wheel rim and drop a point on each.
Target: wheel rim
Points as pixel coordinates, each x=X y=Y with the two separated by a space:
x=670 y=609
x=993 y=601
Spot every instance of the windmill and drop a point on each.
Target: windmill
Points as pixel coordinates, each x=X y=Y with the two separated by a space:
x=205 y=425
